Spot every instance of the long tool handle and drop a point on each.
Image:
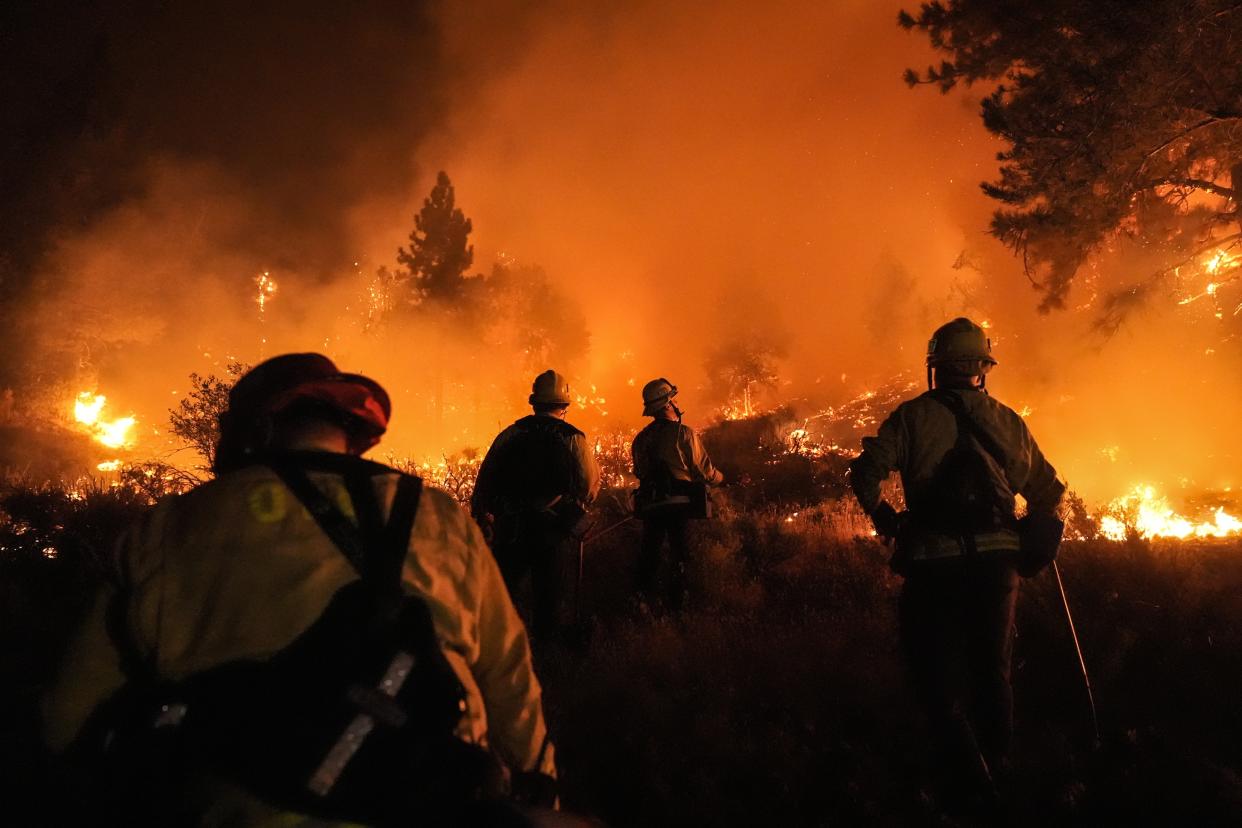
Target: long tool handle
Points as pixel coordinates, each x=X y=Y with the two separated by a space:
x=578 y=588
x=1086 y=679
x=597 y=535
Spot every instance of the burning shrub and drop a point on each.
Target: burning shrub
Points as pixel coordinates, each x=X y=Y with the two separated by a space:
x=455 y=474
x=73 y=525
x=759 y=451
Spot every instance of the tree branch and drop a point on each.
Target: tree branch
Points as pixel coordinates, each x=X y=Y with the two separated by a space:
x=1206 y=122
x=1119 y=303
x=1213 y=244
x=1196 y=183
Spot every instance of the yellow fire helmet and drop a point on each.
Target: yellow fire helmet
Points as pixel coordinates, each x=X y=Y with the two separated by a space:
x=657 y=394
x=959 y=341
x=550 y=388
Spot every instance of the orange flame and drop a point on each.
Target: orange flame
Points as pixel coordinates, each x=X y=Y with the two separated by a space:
x=87 y=411
x=267 y=289
x=1149 y=515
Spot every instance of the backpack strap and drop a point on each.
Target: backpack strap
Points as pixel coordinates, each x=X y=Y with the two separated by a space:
x=344 y=535
x=375 y=549
x=396 y=536
x=967 y=424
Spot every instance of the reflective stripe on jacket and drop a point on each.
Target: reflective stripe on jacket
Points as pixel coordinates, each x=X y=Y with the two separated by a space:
x=237 y=569
x=929 y=546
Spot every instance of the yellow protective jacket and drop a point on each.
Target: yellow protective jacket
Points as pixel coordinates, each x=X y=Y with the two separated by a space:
x=675 y=447
x=917 y=436
x=237 y=569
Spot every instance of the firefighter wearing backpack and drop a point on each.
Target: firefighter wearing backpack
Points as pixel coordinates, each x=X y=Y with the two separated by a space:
x=962 y=457
x=309 y=633
x=673 y=471
x=531 y=497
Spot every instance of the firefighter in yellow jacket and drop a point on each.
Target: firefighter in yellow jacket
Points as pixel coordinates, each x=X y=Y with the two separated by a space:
x=673 y=471
x=236 y=571
x=962 y=457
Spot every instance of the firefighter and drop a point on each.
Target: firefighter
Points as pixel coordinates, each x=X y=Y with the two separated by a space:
x=532 y=493
x=962 y=457
x=231 y=607
x=674 y=473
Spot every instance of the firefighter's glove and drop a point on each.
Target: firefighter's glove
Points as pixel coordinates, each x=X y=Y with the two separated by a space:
x=886 y=520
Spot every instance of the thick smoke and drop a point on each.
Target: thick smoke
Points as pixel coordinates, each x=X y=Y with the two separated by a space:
x=690 y=174
x=162 y=154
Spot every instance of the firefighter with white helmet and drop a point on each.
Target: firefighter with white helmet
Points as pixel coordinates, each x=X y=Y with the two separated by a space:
x=962 y=457
x=674 y=472
x=532 y=493
x=322 y=634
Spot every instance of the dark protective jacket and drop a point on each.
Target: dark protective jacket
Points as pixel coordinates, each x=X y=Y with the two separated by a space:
x=669 y=447
x=915 y=439
x=530 y=463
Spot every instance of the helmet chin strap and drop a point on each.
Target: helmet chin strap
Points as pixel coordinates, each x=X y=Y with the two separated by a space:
x=676 y=410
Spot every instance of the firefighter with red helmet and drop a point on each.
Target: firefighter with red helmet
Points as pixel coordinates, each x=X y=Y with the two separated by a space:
x=674 y=472
x=962 y=456
x=323 y=635
x=532 y=493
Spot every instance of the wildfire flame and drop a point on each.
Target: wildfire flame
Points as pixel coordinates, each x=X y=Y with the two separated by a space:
x=1220 y=260
x=740 y=409
x=593 y=399
x=1221 y=267
x=1149 y=515
x=87 y=411
x=267 y=289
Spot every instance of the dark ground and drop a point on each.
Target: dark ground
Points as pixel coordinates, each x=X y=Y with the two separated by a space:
x=776 y=698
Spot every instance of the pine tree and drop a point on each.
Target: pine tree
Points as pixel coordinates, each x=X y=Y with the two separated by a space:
x=1123 y=124
x=439 y=253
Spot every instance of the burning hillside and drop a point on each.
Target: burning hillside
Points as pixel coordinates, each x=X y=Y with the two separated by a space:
x=590 y=227
x=783 y=456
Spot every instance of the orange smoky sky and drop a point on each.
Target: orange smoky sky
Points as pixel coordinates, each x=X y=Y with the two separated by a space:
x=683 y=171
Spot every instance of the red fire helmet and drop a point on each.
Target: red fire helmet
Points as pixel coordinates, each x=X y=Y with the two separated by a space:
x=275 y=385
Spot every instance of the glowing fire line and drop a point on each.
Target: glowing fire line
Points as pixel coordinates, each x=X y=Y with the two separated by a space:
x=1149 y=515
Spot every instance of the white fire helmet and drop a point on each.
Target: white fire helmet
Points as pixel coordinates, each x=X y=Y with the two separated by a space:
x=657 y=394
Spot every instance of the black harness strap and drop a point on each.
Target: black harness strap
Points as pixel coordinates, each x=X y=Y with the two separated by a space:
x=339 y=529
x=967 y=424
x=375 y=549
x=396 y=539
x=361 y=489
